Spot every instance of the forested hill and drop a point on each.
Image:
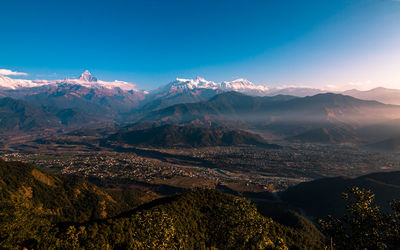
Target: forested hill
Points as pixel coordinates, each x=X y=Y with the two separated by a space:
x=59 y=198
x=33 y=203
x=321 y=197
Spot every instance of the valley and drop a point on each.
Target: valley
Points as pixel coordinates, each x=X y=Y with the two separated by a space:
x=194 y=133
x=266 y=169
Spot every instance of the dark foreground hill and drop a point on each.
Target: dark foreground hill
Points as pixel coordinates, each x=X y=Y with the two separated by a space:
x=61 y=198
x=322 y=197
x=34 y=203
x=172 y=135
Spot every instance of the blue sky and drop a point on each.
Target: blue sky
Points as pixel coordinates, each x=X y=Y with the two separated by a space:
x=340 y=43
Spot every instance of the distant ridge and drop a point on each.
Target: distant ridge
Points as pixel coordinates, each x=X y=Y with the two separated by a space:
x=327 y=118
x=172 y=135
x=335 y=134
x=389 y=145
x=384 y=95
x=16 y=115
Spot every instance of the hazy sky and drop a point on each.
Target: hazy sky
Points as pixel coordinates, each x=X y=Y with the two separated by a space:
x=321 y=43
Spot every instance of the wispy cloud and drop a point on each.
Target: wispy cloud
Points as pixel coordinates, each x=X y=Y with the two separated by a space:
x=7 y=72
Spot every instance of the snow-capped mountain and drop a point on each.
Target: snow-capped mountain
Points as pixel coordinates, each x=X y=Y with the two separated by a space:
x=85 y=79
x=196 y=90
x=89 y=81
x=199 y=89
x=85 y=94
x=181 y=85
x=10 y=83
x=245 y=86
x=240 y=85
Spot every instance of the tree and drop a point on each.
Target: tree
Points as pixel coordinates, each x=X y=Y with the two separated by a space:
x=365 y=226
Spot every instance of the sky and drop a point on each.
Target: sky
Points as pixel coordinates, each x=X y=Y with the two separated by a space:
x=340 y=44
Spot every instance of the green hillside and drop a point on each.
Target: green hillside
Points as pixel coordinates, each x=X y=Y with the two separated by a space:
x=43 y=211
x=63 y=199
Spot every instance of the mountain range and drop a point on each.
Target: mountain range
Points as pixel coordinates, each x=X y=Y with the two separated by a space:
x=320 y=118
x=323 y=118
x=86 y=101
x=85 y=93
x=199 y=84
x=85 y=79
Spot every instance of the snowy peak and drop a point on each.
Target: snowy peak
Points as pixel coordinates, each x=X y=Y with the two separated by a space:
x=243 y=85
x=240 y=85
x=11 y=83
x=87 y=77
x=198 y=83
x=181 y=85
x=87 y=80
